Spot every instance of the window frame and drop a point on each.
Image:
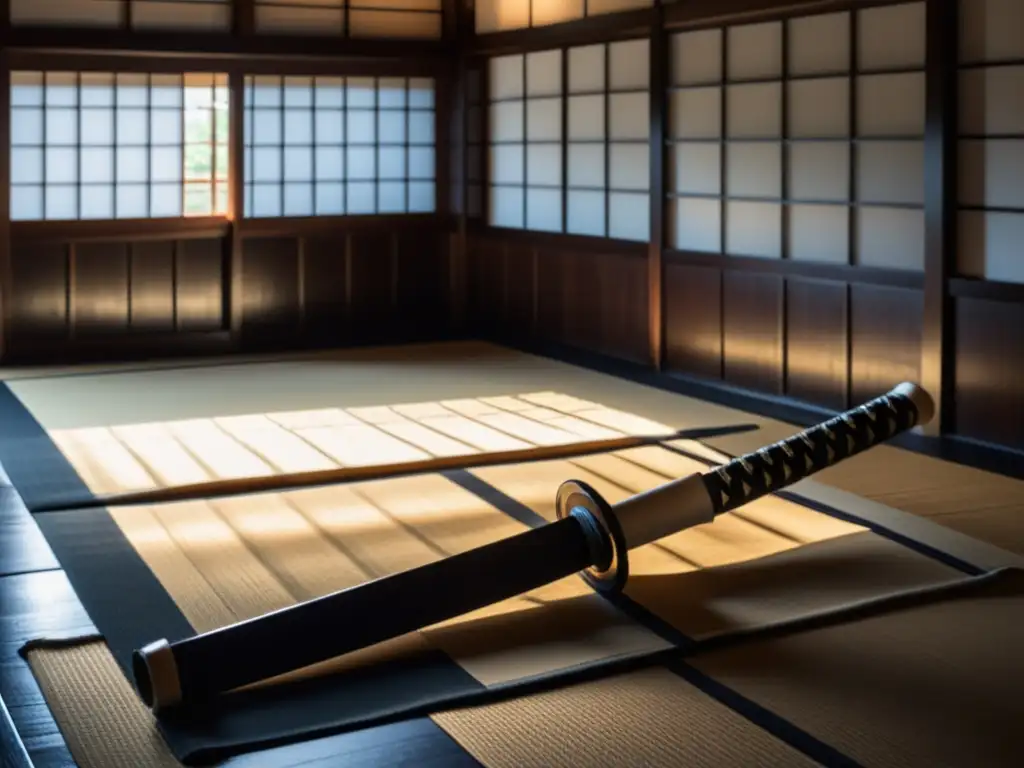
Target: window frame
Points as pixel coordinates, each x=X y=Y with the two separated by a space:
x=236 y=66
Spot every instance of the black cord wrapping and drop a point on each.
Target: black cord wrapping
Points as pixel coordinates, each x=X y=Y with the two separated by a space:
x=772 y=468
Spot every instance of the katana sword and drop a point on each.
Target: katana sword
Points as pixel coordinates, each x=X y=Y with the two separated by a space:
x=590 y=537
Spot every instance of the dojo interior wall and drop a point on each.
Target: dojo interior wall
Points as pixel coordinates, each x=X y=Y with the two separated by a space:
x=295 y=250
x=989 y=298
x=792 y=257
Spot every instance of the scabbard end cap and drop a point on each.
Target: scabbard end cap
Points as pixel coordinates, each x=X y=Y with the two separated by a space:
x=156 y=676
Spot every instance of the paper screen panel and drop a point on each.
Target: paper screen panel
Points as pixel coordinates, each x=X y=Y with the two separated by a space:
x=891 y=37
x=819 y=233
x=306 y=17
x=891 y=105
x=71 y=13
x=819 y=170
x=754 y=169
x=991 y=30
x=890 y=238
x=755 y=51
x=696 y=168
x=753 y=229
x=990 y=245
x=890 y=172
x=191 y=14
x=501 y=15
x=754 y=110
x=819 y=44
x=819 y=107
x=696 y=224
x=696 y=57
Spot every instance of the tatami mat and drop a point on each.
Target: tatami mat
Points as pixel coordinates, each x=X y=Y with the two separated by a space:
x=102 y=719
x=933 y=685
x=226 y=560
x=981 y=504
x=222 y=560
x=198 y=456
x=229 y=559
x=650 y=718
x=358 y=379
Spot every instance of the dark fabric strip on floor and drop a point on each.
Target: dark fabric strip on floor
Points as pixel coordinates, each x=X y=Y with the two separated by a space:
x=765 y=719
x=37 y=469
x=762 y=718
x=898 y=538
x=417 y=743
x=130 y=609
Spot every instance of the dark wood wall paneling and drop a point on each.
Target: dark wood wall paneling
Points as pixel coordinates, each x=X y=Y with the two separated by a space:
x=829 y=341
x=578 y=291
x=337 y=287
x=361 y=286
x=93 y=291
x=989 y=377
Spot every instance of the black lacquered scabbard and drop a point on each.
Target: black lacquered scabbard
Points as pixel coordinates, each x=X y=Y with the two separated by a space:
x=591 y=537
x=364 y=615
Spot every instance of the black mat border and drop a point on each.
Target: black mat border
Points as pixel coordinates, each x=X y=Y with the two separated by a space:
x=129 y=607
x=106 y=601
x=25 y=446
x=20 y=430
x=790 y=734
x=62 y=531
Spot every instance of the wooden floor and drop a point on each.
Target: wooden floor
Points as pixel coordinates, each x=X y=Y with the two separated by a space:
x=36 y=598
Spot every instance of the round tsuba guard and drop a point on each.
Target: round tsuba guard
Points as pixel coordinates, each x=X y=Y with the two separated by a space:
x=575 y=494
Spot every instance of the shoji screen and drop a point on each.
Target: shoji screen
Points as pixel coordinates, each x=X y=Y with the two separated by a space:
x=992 y=140
x=890 y=109
x=475 y=144
x=525 y=120
x=329 y=146
x=501 y=15
x=696 y=108
x=100 y=145
x=352 y=18
x=145 y=14
x=819 y=124
x=507 y=150
x=543 y=141
x=576 y=144
x=801 y=139
x=608 y=133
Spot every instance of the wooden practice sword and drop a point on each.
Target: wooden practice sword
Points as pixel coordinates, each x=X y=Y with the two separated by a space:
x=590 y=537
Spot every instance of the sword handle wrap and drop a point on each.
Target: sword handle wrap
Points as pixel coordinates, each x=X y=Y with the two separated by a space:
x=777 y=466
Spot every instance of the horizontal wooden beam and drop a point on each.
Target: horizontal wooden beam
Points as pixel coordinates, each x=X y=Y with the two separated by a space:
x=138 y=230
x=845 y=273
x=327 y=225
x=93 y=60
x=219 y=44
x=987 y=290
x=119 y=230
x=715 y=12
x=581 y=243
